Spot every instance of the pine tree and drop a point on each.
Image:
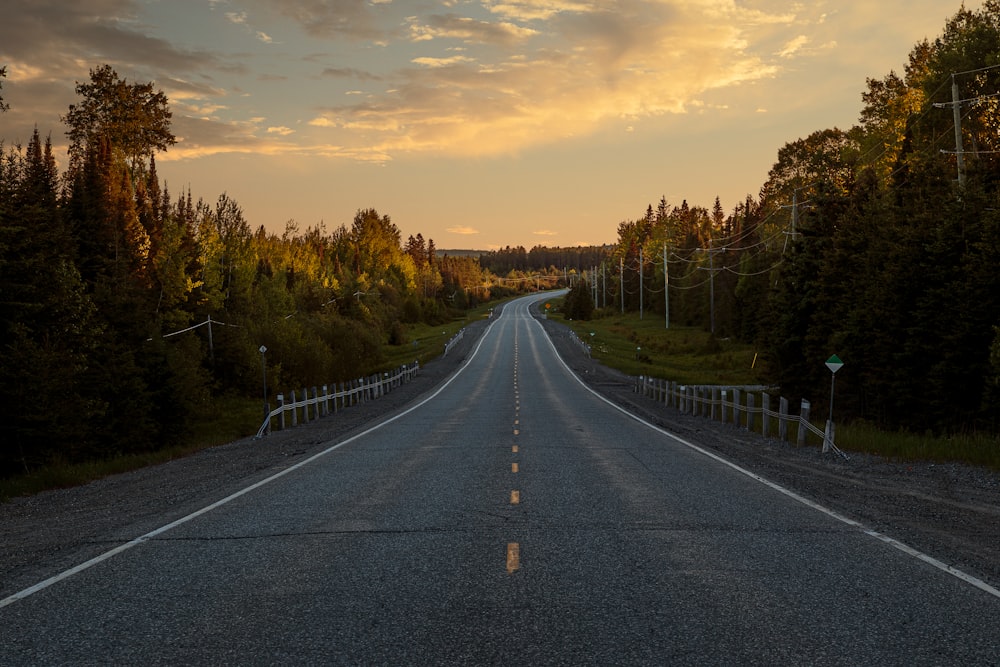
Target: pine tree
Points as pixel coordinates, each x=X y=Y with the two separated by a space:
x=47 y=321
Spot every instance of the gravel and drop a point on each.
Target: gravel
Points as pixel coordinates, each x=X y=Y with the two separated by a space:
x=951 y=511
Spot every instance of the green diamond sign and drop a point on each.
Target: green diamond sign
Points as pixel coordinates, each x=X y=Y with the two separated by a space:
x=834 y=364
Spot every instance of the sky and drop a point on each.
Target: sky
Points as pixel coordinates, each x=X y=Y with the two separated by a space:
x=476 y=123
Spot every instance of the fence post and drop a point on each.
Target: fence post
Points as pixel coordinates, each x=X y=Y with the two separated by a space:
x=316 y=414
x=326 y=400
x=736 y=407
x=803 y=420
x=281 y=404
x=295 y=410
x=828 y=436
x=765 y=426
x=783 y=419
x=722 y=404
x=751 y=404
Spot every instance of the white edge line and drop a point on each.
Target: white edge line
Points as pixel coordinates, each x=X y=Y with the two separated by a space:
x=930 y=560
x=42 y=585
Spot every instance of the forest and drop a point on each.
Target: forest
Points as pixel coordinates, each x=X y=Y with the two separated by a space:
x=126 y=309
x=879 y=243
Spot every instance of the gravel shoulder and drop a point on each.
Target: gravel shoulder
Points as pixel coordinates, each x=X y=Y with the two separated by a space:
x=950 y=512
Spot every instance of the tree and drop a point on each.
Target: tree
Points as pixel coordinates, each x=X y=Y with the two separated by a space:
x=132 y=117
x=579 y=303
x=48 y=326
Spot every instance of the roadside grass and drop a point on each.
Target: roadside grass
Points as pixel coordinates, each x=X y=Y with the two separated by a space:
x=230 y=418
x=692 y=356
x=646 y=347
x=425 y=341
x=975 y=449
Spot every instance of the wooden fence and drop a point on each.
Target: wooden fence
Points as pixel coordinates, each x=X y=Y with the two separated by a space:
x=311 y=404
x=748 y=407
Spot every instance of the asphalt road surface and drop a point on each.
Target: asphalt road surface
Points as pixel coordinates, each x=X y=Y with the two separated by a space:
x=510 y=516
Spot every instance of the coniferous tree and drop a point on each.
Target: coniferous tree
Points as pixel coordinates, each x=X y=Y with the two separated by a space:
x=47 y=322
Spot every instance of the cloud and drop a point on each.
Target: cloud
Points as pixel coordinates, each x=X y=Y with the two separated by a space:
x=465 y=231
x=577 y=67
x=793 y=46
x=351 y=19
x=545 y=232
x=442 y=62
x=466 y=29
x=537 y=10
x=283 y=131
x=490 y=78
x=349 y=73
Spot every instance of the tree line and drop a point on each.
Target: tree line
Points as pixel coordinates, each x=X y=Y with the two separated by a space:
x=125 y=309
x=879 y=243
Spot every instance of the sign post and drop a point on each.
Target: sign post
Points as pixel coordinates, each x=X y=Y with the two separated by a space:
x=263 y=365
x=834 y=364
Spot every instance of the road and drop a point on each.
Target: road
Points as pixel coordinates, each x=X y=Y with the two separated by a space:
x=511 y=516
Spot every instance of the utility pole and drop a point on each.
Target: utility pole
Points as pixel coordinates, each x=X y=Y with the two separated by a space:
x=594 y=276
x=711 y=284
x=604 y=281
x=666 y=286
x=640 y=283
x=957 y=113
x=956 y=110
x=795 y=212
x=621 y=282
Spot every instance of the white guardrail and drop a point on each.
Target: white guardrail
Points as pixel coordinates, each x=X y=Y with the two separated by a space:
x=728 y=405
x=311 y=404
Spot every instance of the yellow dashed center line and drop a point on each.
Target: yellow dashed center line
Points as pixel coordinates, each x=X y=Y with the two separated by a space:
x=513 y=467
x=513 y=557
x=514 y=449
x=515 y=497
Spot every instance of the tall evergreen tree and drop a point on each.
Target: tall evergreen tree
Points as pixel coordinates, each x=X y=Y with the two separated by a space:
x=47 y=322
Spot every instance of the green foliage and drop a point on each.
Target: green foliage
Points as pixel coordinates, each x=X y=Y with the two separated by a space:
x=974 y=449
x=133 y=118
x=125 y=314
x=643 y=346
x=862 y=244
x=579 y=302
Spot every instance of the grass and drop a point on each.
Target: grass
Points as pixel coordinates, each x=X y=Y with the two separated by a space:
x=692 y=356
x=976 y=449
x=684 y=354
x=230 y=418
x=426 y=342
